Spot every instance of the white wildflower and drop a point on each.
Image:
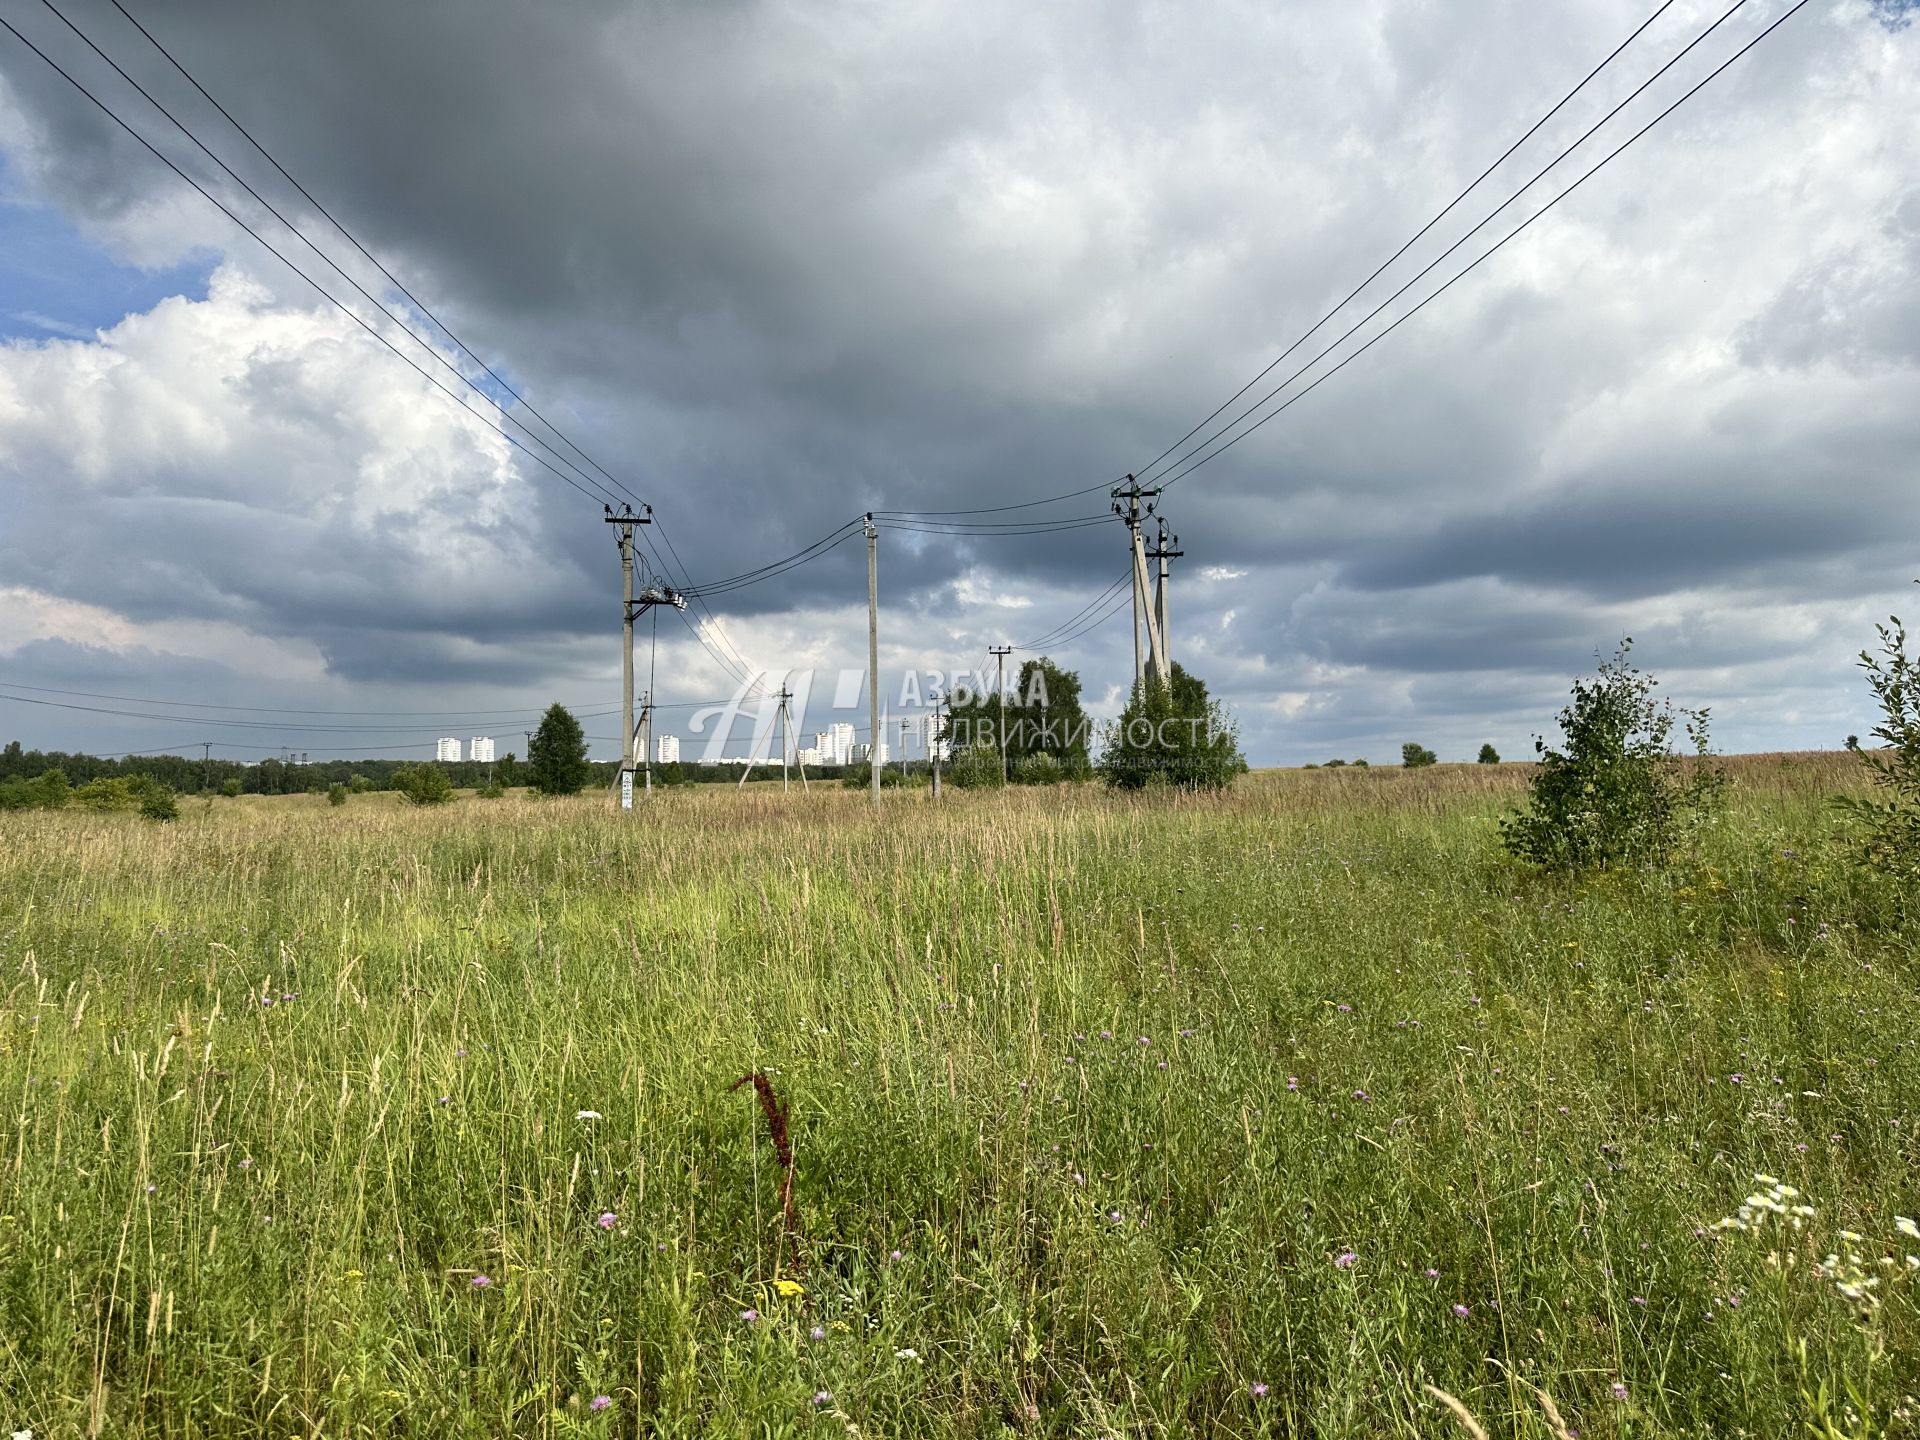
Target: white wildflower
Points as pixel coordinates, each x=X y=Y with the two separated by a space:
x=907 y=1354
x=588 y=1115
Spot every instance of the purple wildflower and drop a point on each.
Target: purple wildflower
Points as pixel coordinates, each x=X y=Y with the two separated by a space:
x=1617 y=1390
x=607 y=1220
x=481 y=1282
x=818 y=1332
x=600 y=1402
x=749 y=1316
x=1344 y=1260
x=822 y=1397
x=1258 y=1389
x=1461 y=1311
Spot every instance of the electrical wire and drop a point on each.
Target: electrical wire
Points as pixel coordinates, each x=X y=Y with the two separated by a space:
x=1472 y=265
x=1126 y=578
x=1481 y=225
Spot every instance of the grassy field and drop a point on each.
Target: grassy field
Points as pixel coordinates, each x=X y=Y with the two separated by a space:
x=1248 y=1116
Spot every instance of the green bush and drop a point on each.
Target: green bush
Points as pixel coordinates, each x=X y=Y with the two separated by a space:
x=46 y=791
x=423 y=784
x=359 y=784
x=157 y=802
x=336 y=794
x=976 y=768
x=1616 y=795
x=1172 y=734
x=1038 y=769
x=1889 y=820
x=108 y=792
x=1489 y=755
x=492 y=790
x=230 y=788
x=1414 y=755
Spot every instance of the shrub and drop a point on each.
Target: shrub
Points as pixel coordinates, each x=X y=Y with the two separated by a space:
x=1038 y=769
x=1616 y=795
x=359 y=784
x=1414 y=755
x=423 y=784
x=557 y=758
x=336 y=794
x=1173 y=734
x=157 y=803
x=1889 y=820
x=230 y=788
x=1489 y=755
x=46 y=791
x=976 y=768
x=492 y=790
x=108 y=792
x=1336 y=764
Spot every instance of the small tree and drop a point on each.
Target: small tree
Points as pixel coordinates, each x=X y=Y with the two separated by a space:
x=157 y=803
x=423 y=784
x=1414 y=755
x=1889 y=820
x=976 y=768
x=336 y=794
x=1616 y=795
x=1173 y=734
x=1489 y=755
x=231 y=788
x=557 y=758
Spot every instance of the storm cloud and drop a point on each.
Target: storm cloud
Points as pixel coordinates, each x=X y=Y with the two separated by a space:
x=776 y=264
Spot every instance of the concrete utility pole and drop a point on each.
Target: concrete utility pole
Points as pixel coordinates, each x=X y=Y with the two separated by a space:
x=1133 y=493
x=1000 y=653
x=934 y=741
x=873 y=655
x=206 y=765
x=624 y=523
x=1163 y=653
x=905 y=726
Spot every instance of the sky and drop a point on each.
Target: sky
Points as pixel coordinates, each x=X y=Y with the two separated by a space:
x=773 y=265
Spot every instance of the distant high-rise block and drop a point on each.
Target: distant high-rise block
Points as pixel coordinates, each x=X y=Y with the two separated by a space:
x=480 y=748
x=448 y=748
x=666 y=750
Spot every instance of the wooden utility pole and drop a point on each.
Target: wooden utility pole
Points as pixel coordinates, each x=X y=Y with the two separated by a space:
x=873 y=655
x=624 y=523
x=1161 y=552
x=1000 y=653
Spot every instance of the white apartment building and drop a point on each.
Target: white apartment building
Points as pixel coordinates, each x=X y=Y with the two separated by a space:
x=812 y=755
x=863 y=754
x=448 y=748
x=666 y=749
x=480 y=748
x=840 y=743
x=930 y=736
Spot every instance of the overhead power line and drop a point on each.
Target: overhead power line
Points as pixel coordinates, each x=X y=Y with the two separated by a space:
x=1488 y=219
x=1473 y=264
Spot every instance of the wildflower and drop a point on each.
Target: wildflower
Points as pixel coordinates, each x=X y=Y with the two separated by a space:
x=818 y=1332
x=907 y=1354
x=607 y=1220
x=822 y=1397
x=1906 y=1227
x=896 y=1255
x=1293 y=1082
x=1344 y=1260
x=1258 y=1389
x=1115 y=1216
x=588 y=1115
x=1637 y=1299
x=1461 y=1311
x=1432 y=1274
x=600 y=1402
x=1617 y=1390
x=747 y=1317
x=1145 y=1041
x=789 y=1289
x=481 y=1282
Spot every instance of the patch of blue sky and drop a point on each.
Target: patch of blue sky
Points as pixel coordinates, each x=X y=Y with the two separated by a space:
x=54 y=281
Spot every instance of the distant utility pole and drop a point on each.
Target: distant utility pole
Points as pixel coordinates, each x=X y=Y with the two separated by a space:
x=873 y=655
x=905 y=727
x=1000 y=653
x=206 y=764
x=934 y=740
x=1133 y=493
x=1162 y=552
x=624 y=523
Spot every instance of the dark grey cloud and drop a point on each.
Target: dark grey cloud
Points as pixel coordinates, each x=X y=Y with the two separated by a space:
x=774 y=264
